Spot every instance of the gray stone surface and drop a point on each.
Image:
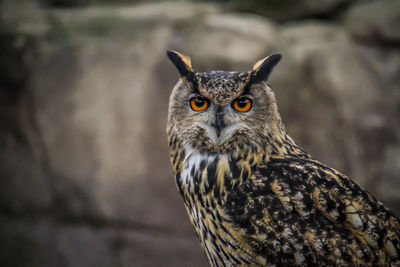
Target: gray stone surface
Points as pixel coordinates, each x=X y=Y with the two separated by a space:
x=375 y=21
x=85 y=178
x=335 y=96
x=44 y=242
x=284 y=10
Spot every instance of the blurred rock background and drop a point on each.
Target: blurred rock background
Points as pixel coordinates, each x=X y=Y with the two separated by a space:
x=85 y=178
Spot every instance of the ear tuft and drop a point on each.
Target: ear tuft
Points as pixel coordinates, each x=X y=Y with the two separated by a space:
x=181 y=62
x=263 y=68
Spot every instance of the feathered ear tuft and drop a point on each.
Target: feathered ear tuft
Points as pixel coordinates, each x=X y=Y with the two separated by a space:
x=263 y=67
x=181 y=62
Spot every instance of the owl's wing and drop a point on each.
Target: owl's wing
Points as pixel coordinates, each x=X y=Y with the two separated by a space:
x=298 y=211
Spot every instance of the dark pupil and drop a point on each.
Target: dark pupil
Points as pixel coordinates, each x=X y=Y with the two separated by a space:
x=242 y=102
x=199 y=101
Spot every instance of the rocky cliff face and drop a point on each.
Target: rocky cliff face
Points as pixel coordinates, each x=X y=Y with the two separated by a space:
x=85 y=178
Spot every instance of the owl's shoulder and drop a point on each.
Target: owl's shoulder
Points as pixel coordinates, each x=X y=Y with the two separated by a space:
x=299 y=202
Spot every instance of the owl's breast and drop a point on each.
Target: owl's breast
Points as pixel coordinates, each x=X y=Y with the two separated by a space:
x=203 y=173
x=196 y=169
x=204 y=182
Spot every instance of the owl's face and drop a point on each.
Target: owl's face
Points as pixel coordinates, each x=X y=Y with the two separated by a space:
x=219 y=112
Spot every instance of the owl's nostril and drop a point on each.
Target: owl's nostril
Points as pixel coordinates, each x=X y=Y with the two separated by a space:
x=219 y=123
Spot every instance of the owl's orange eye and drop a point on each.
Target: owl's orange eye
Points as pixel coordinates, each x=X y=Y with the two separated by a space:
x=199 y=103
x=242 y=104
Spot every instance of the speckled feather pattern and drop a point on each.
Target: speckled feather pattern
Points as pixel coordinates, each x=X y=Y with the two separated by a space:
x=225 y=84
x=266 y=202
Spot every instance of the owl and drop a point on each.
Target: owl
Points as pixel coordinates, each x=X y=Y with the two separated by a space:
x=254 y=197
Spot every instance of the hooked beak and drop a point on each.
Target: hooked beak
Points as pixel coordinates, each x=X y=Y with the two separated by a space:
x=219 y=123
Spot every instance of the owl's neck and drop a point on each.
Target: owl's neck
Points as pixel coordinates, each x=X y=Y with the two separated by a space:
x=202 y=171
x=278 y=143
x=197 y=171
x=275 y=143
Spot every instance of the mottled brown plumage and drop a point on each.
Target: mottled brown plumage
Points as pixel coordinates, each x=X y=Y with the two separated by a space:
x=253 y=196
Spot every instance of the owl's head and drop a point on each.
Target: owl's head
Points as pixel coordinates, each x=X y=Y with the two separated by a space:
x=220 y=111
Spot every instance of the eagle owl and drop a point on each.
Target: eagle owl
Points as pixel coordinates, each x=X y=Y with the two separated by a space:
x=254 y=197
